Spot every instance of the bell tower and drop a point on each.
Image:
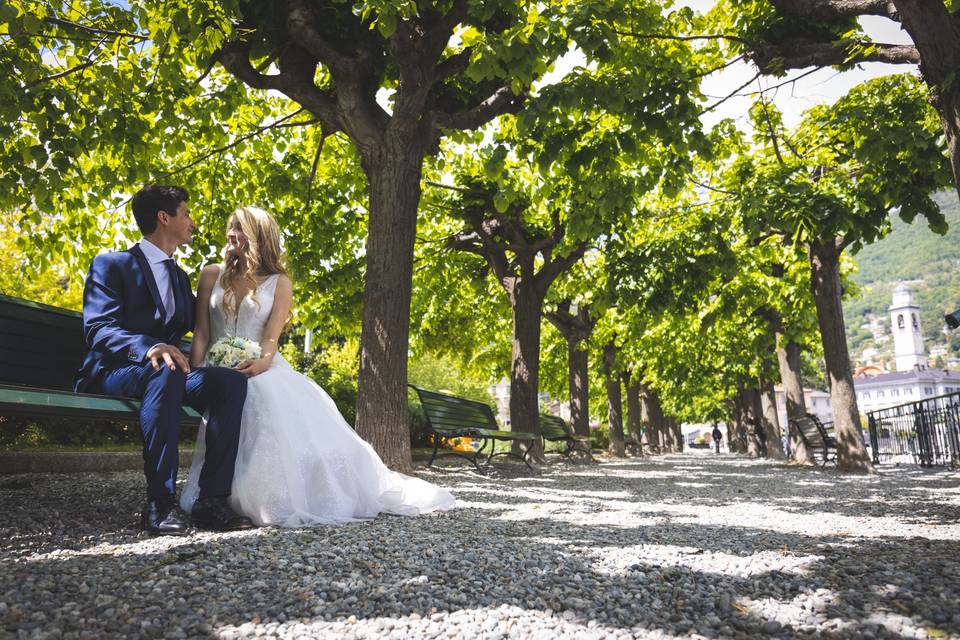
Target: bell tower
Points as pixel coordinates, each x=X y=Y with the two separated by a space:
x=908 y=350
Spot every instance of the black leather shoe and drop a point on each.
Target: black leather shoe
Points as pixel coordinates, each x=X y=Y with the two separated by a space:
x=216 y=514
x=163 y=517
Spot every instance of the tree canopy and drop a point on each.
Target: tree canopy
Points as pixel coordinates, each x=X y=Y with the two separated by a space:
x=410 y=151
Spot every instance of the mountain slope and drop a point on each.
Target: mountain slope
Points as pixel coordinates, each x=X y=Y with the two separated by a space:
x=913 y=253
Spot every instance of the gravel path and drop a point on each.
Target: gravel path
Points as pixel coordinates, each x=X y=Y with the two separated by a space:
x=676 y=546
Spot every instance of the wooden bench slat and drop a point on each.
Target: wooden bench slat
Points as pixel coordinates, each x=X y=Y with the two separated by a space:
x=41 y=348
x=815 y=436
x=36 y=377
x=29 y=401
x=40 y=345
x=456 y=412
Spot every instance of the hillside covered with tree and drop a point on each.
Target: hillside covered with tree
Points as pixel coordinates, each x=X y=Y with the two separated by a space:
x=910 y=253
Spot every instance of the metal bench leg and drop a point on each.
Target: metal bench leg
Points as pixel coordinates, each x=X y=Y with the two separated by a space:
x=479 y=452
x=436 y=446
x=526 y=454
x=512 y=455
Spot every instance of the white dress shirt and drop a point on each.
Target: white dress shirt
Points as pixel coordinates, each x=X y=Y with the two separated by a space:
x=156 y=257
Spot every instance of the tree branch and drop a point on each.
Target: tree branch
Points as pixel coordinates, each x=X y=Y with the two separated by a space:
x=79 y=67
x=439 y=35
x=732 y=61
x=833 y=10
x=551 y=270
x=729 y=95
x=672 y=36
x=798 y=54
x=316 y=163
x=711 y=188
x=502 y=101
x=451 y=187
x=481 y=242
x=300 y=27
x=277 y=124
x=235 y=58
x=69 y=24
x=457 y=63
x=466 y=241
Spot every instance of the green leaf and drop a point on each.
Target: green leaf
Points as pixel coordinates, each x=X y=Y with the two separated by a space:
x=387 y=24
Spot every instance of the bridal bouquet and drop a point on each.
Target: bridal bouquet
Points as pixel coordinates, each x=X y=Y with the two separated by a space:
x=230 y=351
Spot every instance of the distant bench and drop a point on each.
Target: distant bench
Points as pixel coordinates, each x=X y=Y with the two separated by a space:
x=41 y=348
x=451 y=417
x=556 y=429
x=815 y=437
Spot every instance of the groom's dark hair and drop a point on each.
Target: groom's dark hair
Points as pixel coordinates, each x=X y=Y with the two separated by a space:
x=153 y=199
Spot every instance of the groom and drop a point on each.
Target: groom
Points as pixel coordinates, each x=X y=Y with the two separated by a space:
x=137 y=305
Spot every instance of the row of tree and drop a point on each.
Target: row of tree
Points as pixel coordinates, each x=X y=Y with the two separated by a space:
x=423 y=169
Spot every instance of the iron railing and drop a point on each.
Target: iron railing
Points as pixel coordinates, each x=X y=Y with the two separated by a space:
x=926 y=432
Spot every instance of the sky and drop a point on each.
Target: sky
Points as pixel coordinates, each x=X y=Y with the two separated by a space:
x=823 y=86
x=793 y=98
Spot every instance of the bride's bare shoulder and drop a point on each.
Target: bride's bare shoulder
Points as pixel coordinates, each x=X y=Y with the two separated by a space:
x=208 y=276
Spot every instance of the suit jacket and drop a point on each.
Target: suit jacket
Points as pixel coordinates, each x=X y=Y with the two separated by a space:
x=123 y=314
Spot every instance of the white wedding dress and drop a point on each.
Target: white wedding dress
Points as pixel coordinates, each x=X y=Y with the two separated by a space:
x=299 y=462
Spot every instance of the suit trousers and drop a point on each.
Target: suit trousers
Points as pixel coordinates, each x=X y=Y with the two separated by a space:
x=214 y=391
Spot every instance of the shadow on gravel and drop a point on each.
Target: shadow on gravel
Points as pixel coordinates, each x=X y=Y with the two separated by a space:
x=240 y=578
x=495 y=554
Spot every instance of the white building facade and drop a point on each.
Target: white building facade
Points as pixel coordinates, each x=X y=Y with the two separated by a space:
x=900 y=387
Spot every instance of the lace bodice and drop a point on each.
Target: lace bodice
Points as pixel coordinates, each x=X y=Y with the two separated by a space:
x=252 y=312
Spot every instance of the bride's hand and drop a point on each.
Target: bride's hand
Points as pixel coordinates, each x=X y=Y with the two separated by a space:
x=252 y=368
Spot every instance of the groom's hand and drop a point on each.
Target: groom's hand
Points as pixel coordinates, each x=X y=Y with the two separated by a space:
x=170 y=356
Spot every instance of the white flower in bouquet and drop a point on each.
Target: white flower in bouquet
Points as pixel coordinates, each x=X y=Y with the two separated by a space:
x=230 y=351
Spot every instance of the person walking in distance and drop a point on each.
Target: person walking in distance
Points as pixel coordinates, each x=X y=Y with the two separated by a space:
x=717 y=437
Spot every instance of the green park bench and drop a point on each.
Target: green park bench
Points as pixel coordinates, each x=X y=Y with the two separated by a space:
x=556 y=429
x=41 y=348
x=454 y=417
x=815 y=437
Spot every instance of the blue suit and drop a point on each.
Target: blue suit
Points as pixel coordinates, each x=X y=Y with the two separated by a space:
x=123 y=318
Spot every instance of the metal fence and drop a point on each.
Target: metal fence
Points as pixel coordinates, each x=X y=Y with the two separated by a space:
x=926 y=432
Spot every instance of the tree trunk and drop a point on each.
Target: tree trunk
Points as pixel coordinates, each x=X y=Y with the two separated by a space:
x=732 y=428
x=677 y=432
x=579 y=363
x=936 y=34
x=614 y=400
x=651 y=431
x=825 y=285
x=751 y=405
x=741 y=429
x=736 y=431
x=394 y=173
x=948 y=103
x=770 y=421
x=667 y=435
x=659 y=421
x=634 y=419
x=527 y=304
x=576 y=329
x=788 y=356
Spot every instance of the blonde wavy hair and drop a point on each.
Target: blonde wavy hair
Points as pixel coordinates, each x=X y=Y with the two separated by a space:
x=264 y=255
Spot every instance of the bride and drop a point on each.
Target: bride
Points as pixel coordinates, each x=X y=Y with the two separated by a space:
x=299 y=462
